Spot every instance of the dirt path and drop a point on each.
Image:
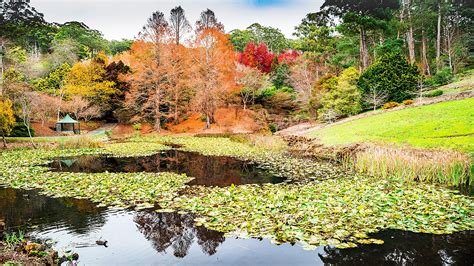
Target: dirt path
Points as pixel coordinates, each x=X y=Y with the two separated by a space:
x=102 y=129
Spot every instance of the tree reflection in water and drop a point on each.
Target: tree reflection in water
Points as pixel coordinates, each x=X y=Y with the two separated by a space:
x=20 y=208
x=407 y=248
x=207 y=170
x=177 y=231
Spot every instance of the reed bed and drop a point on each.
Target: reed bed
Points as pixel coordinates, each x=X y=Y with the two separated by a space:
x=80 y=142
x=437 y=166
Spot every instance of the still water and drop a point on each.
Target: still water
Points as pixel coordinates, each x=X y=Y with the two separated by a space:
x=207 y=170
x=150 y=238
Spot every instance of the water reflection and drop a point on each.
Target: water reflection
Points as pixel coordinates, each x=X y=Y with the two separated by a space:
x=176 y=232
x=148 y=237
x=407 y=248
x=20 y=208
x=207 y=170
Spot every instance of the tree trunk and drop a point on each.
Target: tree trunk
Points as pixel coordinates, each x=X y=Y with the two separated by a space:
x=426 y=64
x=364 y=55
x=158 y=113
x=176 y=109
x=208 y=122
x=4 y=140
x=27 y=125
x=410 y=38
x=438 y=39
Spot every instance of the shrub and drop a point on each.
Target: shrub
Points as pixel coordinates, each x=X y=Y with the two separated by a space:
x=434 y=93
x=137 y=126
x=441 y=77
x=273 y=127
x=393 y=74
x=20 y=130
x=407 y=102
x=390 y=105
x=344 y=98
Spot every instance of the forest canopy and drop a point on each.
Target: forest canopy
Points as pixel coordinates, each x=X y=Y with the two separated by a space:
x=343 y=59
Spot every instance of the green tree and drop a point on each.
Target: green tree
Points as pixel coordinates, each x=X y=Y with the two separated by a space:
x=117 y=47
x=240 y=38
x=7 y=119
x=393 y=74
x=343 y=99
x=361 y=17
x=53 y=82
x=90 y=42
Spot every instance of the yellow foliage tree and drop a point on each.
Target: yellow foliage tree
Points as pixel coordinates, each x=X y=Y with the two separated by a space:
x=87 y=79
x=7 y=119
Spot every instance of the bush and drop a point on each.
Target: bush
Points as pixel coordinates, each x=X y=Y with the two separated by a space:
x=394 y=75
x=407 y=102
x=273 y=127
x=434 y=93
x=390 y=105
x=20 y=130
x=441 y=78
x=343 y=98
x=137 y=126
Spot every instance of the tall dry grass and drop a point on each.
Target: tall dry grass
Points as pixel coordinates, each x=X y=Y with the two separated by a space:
x=439 y=166
x=80 y=142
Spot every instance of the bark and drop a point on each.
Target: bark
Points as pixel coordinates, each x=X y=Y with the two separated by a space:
x=157 y=112
x=363 y=49
x=410 y=38
x=426 y=65
x=27 y=125
x=438 y=40
x=176 y=109
x=4 y=140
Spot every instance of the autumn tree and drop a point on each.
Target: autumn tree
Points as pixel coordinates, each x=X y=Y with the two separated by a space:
x=305 y=72
x=179 y=25
x=257 y=56
x=207 y=20
x=213 y=75
x=251 y=80
x=145 y=62
x=43 y=106
x=7 y=119
x=87 y=79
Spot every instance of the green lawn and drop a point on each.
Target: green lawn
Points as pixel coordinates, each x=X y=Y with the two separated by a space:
x=441 y=125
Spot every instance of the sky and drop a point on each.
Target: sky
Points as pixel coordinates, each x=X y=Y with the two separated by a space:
x=118 y=19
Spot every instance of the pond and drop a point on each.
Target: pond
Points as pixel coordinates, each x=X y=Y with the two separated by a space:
x=148 y=237
x=207 y=170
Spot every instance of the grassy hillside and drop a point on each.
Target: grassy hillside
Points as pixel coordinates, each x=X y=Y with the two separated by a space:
x=442 y=125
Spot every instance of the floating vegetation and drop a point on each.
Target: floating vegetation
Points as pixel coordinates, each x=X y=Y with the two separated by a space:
x=337 y=208
x=21 y=169
x=340 y=212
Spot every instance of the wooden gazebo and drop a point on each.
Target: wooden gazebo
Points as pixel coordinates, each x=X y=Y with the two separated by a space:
x=67 y=124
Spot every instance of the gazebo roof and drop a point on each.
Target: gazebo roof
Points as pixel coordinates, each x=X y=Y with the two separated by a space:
x=67 y=120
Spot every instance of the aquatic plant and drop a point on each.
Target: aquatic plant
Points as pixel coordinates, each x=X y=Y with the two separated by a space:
x=436 y=166
x=331 y=206
x=341 y=212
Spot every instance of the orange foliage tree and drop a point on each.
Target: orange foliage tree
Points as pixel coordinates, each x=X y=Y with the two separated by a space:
x=213 y=74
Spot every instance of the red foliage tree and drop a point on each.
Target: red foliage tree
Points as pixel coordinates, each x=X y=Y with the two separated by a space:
x=289 y=57
x=257 y=56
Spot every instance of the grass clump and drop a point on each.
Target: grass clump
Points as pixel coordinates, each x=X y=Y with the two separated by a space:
x=437 y=166
x=80 y=142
